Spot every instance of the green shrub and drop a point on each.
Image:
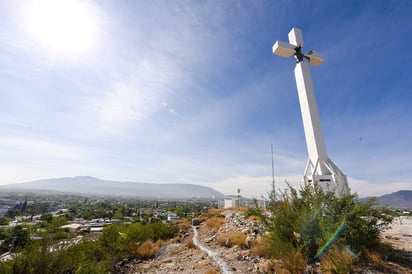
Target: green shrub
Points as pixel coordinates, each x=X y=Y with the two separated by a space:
x=310 y=221
x=255 y=211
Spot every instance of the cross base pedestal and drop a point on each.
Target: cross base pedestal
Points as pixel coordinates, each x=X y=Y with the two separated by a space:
x=334 y=180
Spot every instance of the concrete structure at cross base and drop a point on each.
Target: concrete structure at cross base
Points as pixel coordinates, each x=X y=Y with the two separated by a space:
x=319 y=168
x=232 y=201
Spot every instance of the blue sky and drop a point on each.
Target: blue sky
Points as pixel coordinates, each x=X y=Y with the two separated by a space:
x=190 y=92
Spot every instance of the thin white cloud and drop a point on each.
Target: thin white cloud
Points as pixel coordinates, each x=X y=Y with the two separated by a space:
x=260 y=186
x=154 y=71
x=29 y=158
x=40 y=148
x=366 y=189
x=254 y=187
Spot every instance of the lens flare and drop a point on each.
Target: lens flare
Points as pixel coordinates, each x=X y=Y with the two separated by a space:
x=350 y=251
x=331 y=240
x=311 y=222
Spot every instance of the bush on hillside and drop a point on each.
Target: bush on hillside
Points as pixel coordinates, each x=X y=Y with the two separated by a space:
x=309 y=221
x=89 y=256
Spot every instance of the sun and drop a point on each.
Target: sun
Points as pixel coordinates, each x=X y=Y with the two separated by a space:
x=64 y=26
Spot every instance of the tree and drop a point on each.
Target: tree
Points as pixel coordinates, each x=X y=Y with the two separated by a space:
x=19 y=238
x=47 y=217
x=4 y=220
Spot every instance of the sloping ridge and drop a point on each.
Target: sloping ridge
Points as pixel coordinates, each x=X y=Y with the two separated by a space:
x=90 y=185
x=399 y=199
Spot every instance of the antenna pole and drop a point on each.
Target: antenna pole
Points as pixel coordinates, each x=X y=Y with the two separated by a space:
x=273 y=166
x=273 y=176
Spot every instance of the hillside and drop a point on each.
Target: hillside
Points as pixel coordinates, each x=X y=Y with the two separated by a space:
x=86 y=185
x=400 y=200
x=205 y=248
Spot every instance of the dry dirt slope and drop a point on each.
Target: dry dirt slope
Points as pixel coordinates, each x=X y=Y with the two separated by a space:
x=185 y=257
x=211 y=235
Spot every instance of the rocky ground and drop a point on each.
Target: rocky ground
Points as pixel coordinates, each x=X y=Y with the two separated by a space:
x=212 y=251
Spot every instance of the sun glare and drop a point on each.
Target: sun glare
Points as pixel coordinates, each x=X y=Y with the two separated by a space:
x=64 y=26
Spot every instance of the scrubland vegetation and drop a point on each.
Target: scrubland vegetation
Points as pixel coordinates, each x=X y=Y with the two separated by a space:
x=301 y=227
x=308 y=226
x=97 y=255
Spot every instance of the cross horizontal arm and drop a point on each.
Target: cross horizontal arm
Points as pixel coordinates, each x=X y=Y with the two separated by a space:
x=283 y=49
x=315 y=58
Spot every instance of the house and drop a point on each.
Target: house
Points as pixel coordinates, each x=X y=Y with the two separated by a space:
x=229 y=202
x=72 y=228
x=172 y=217
x=97 y=222
x=96 y=230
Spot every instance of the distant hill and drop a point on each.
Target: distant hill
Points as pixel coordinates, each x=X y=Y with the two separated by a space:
x=86 y=185
x=401 y=199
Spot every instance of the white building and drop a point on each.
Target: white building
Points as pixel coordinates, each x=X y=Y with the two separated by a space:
x=237 y=202
x=172 y=217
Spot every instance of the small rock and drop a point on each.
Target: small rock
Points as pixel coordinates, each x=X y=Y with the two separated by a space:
x=248 y=241
x=228 y=242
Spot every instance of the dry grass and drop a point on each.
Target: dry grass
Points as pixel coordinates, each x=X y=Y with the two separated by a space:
x=146 y=250
x=189 y=243
x=213 y=212
x=261 y=247
x=337 y=261
x=254 y=218
x=212 y=271
x=183 y=224
x=214 y=223
x=375 y=259
x=293 y=262
x=236 y=238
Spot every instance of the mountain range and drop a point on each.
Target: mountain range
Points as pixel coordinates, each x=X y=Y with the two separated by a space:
x=86 y=185
x=401 y=199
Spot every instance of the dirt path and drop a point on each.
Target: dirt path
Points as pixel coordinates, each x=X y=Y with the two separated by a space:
x=197 y=254
x=181 y=258
x=212 y=254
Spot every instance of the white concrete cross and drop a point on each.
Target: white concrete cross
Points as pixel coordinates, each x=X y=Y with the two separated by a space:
x=319 y=167
x=295 y=48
